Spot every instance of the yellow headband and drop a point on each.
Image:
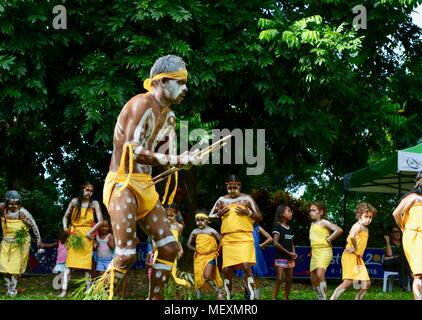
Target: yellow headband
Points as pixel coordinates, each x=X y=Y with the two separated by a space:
x=177 y=75
x=201 y=215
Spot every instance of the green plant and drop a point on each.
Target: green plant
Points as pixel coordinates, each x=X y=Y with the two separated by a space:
x=21 y=237
x=174 y=291
x=75 y=241
x=98 y=290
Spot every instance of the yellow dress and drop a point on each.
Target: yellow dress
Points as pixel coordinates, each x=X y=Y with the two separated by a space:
x=352 y=264
x=179 y=281
x=13 y=257
x=412 y=237
x=206 y=251
x=322 y=252
x=81 y=258
x=237 y=242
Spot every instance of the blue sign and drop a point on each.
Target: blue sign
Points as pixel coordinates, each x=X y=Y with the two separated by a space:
x=373 y=257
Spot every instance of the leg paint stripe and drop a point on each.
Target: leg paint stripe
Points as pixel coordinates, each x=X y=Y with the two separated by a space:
x=161 y=266
x=125 y=252
x=164 y=241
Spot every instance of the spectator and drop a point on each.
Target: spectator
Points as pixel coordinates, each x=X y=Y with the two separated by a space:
x=394 y=258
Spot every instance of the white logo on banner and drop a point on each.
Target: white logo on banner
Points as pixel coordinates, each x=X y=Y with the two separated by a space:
x=409 y=161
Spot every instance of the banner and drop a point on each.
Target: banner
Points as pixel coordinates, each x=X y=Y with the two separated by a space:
x=372 y=257
x=40 y=263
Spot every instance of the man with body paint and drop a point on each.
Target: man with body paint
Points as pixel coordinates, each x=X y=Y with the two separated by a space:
x=143 y=123
x=79 y=219
x=238 y=212
x=14 y=251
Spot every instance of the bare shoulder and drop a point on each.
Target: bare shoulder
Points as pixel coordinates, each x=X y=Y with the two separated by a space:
x=357 y=227
x=324 y=222
x=180 y=227
x=95 y=203
x=137 y=104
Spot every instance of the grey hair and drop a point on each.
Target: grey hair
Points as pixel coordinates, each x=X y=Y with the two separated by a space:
x=12 y=195
x=168 y=63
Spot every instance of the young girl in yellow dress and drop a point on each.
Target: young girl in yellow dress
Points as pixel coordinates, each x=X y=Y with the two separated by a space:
x=408 y=216
x=204 y=241
x=321 y=234
x=353 y=267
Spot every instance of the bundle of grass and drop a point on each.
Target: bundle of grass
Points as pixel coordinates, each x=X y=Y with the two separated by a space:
x=97 y=291
x=75 y=241
x=21 y=237
x=102 y=288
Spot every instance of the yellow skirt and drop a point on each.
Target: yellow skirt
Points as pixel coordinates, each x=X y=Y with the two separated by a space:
x=146 y=198
x=321 y=258
x=237 y=248
x=412 y=246
x=199 y=264
x=353 y=267
x=14 y=258
x=81 y=258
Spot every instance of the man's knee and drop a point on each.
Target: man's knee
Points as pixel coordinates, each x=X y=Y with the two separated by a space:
x=124 y=262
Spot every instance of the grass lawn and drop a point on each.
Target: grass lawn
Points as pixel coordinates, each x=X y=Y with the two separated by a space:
x=39 y=287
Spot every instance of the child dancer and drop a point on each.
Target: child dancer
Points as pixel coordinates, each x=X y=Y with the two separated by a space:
x=203 y=240
x=285 y=254
x=353 y=268
x=104 y=246
x=60 y=266
x=152 y=254
x=321 y=234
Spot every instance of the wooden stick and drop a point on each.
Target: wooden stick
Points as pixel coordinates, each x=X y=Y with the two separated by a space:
x=215 y=143
x=197 y=153
x=162 y=178
x=205 y=152
x=215 y=146
x=168 y=171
